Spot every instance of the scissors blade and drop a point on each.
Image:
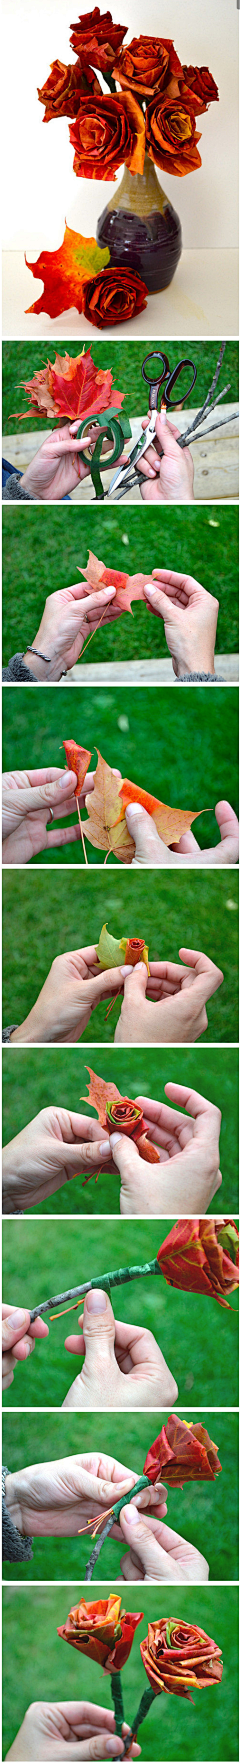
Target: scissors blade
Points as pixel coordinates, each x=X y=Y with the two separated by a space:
x=120 y=476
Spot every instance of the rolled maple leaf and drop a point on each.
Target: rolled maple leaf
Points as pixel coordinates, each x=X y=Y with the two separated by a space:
x=135 y=951
x=126 y=1117
x=113 y=297
x=78 y=761
x=178 y=1657
x=171 y=135
x=106 y=131
x=201 y=1255
x=182 y=1452
x=102 y=1630
x=95 y=38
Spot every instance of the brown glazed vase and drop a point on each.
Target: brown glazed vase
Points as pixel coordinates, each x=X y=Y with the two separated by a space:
x=141 y=229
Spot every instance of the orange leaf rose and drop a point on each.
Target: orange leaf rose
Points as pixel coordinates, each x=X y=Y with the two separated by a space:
x=201 y=84
x=97 y=39
x=101 y=1630
x=62 y=90
x=201 y=1255
x=171 y=137
x=179 y=1657
x=105 y=133
x=113 y=297
x=182 y=1452
x=147 y=64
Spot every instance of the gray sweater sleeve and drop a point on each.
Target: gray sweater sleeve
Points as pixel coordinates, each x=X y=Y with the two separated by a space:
x=13 y=489
x=17 y=669
x=14 y=1546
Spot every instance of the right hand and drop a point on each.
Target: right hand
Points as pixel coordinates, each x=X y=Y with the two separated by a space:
x=187 y=1175
x=57 y=467
x=53 y=1731
x=71 y=992
x=158 y=1553
x=190 y=617
x=168 y=470
x=18 y=1339
x=123 y=1367
x=179 y=1013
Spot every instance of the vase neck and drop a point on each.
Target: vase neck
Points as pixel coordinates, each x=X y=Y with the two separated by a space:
x=141 y=193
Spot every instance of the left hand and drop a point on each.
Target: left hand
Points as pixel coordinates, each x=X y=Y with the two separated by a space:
x=187 y=1175
x=57 y=1499
x=57 y=467
x=151 y=852
x=73 y=988
x=158 y=1553
x=53 y=1731
x=51 y=1150
x=27 y=797
x=168 y=478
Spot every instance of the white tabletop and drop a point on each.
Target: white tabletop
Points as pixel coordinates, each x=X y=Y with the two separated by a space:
x=202 y=300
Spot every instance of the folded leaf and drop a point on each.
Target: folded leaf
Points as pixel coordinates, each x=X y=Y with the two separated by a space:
x=104 y=828
x=171 y=823
x=64 y=272
x=110 y=952
x=99 y=1093
x=128 y=587
x=78 y=761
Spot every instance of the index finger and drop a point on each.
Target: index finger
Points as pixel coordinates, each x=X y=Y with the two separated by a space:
x=196 y=1105
x=202 y=964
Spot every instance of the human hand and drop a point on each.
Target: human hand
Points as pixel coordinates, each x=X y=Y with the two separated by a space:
x=57 y=467
x=70 y=616
x=70 y=993
x=158 y=1553
x=56 y=1499
x=28 y=798
x=18 y=1339
x=52 y=1731
x=175 y=1006
x=190 y=617
x=151 y=852
x=167 y=468
x=53 y=1148
x=123 y=1366
x=187 y=1175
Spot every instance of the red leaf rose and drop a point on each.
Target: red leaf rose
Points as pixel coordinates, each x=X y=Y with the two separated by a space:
x=62 y=90
x=107 y=131
x=201 y=84
x=148 y=64
x=113 y=297
x=97 y=39
x=101 y=1630
x=182 y=1452
x=179 y=1657
x=171 y=137
x=198 y=1256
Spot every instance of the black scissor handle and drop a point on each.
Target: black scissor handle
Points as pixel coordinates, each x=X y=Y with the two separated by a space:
x=173 y=377
x=154 y=381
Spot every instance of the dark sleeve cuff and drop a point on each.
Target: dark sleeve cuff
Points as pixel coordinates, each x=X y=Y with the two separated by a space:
x=17 y=669
x=14 y=1546
x=13 y=489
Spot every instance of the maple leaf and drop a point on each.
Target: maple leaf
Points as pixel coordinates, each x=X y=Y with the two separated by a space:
x=129 y=1117
x=128 y=587
x=72 y=386
x=110 y=952
x=78 y=761
x=64 y=272
x=99 y=1093
x=106 y=828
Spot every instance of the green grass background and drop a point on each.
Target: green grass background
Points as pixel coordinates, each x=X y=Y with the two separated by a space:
x=204 y=1514
x=22 y=360
x=44 y=917
x=183 y=748
x=40 y=556
x=59 y=1077
x=34 y=1663
x=199 y=1339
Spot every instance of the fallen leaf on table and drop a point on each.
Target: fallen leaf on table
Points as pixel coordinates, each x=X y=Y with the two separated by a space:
x=65 y=271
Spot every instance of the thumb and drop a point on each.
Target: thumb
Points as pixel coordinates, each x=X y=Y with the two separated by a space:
x=111 y=980
x=46 y=794
x=98 y=1331
x=142 y=1540
x=160 y=602
x=135 y=982
x=126 y=1157
x=14 y=1326
x=149 y=848
x=101 y=1744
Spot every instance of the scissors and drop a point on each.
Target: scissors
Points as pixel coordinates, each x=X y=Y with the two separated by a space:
x=123 y=478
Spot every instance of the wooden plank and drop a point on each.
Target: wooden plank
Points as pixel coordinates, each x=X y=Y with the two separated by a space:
x=147 y=672
x=215 y=460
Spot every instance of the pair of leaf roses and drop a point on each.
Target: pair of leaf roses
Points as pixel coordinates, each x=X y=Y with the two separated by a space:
x=106 y=826
x=177 y=1656
x=106 y=129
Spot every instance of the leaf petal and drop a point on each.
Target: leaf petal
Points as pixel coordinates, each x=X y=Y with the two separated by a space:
x=171 y=823
x=99 y=1093
x=110 y=952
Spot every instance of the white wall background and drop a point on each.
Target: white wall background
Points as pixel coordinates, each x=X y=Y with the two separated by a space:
x=40 y=188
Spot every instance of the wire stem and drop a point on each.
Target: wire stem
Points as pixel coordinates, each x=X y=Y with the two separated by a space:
x=116 y=1688
x=143 y=1482
x=120 y=1276
x=146 y=1700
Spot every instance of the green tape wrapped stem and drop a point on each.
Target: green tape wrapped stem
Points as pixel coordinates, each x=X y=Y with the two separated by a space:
x=146 y=1701
x=143 y=1482
x=116 y=1688
x=105 y=1280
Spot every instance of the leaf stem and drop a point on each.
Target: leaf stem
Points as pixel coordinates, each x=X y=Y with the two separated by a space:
x=82 y=835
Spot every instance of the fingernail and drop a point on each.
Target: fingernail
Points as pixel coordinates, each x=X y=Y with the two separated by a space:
x=112 y=1747
x=139 y=964
x=125 y=970
x=135 y=808
x=68 y=777
x=131 y=1514
x=149 y=589
x=96 y=1302
x=115 y=1138
x=18 y=1318
x=105 y=1148
x=109 y=590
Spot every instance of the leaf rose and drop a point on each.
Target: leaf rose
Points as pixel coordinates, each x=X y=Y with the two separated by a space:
x=107 y=132
x=202 y=85
x=97 y=39
x=113 y=297
x=179 y=1657
x=102 y=1630
x=201 y=1255
x=182 y=1452
x=147 y=64
x=62 y=90
x=171 y=136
